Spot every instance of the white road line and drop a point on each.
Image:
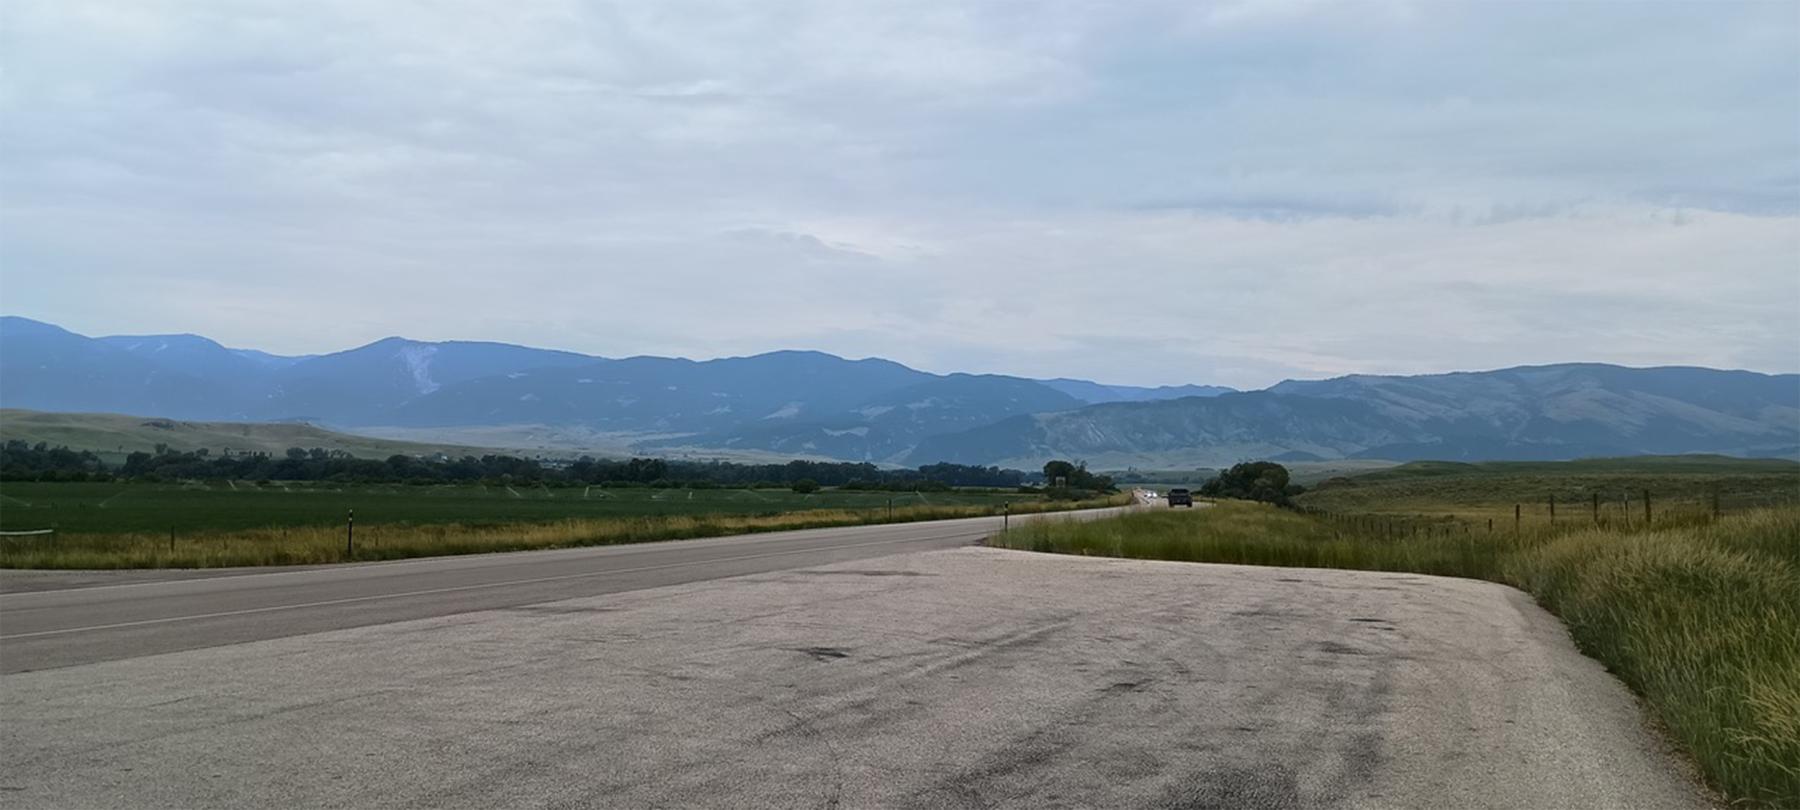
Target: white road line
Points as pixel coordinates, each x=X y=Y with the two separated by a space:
x=459 y=588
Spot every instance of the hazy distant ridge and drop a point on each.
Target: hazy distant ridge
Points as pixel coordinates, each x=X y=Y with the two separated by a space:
x=797 y=402
x=1529 y=413
x=804 y=403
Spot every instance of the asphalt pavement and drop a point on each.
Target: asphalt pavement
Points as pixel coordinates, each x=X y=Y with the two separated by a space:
x=964 y=677
x=57 y=619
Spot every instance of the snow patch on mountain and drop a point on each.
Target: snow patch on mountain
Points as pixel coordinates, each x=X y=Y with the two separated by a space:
x=418 y=363
x=788 y=411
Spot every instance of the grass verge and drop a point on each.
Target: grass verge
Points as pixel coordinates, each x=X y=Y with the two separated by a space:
x=1700 y=618
x=299 y=545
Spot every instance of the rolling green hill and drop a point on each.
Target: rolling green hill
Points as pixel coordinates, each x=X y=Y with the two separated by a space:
x=113 y=436
x=1685 y=482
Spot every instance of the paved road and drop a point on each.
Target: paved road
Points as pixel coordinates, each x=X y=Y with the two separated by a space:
x=89 y=622
x=967 y=677
x=850 y=667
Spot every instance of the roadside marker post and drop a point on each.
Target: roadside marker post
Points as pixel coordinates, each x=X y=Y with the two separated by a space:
x=1646 y=507
x=1515 y=518
x=1553 y=510
x=350 y=535
x=1006 y=517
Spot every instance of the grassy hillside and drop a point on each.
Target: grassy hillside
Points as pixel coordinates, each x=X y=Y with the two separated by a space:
x=1491 y=489
x=113 y=436
x=1700 y=617
x=575 y=440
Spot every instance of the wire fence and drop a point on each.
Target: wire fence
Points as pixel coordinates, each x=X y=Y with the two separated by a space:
x=1641 y=508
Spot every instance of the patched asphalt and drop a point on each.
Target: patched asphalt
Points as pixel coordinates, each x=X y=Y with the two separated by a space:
x=969 y=677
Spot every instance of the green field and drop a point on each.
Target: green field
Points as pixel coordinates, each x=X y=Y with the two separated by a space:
x=205 y=525
x=123 y=507
x=1490 y=490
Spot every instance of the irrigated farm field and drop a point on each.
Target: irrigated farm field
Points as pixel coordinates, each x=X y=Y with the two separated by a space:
x=213 y=506
x=142 y=525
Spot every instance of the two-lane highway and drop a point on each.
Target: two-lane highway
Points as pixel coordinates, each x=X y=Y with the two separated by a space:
x=80 y=625
x=954 y=678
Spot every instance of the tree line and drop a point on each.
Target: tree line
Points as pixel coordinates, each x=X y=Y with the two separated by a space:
x=20 y=461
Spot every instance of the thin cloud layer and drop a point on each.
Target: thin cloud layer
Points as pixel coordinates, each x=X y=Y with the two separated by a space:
x=1151 y=192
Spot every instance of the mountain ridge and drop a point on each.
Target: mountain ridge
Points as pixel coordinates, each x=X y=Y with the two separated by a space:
x=816 y=404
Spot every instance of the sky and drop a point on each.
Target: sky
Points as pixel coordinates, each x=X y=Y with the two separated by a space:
x=1223 y=192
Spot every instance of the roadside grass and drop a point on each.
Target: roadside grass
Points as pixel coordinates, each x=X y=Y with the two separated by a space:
x=313 y=544
x=1700 y=618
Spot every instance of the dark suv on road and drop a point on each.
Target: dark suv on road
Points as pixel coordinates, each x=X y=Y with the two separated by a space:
x=1181 y=497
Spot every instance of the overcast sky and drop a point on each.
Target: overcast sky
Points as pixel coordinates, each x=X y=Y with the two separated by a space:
x=1157 y=192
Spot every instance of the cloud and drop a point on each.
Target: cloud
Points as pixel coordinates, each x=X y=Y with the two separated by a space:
x=1142 y=192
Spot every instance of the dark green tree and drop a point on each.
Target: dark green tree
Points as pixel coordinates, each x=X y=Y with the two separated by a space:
x=1263 y=481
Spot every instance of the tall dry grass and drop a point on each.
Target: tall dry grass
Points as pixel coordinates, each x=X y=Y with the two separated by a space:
x=1704 y=623
x=1700 y=618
